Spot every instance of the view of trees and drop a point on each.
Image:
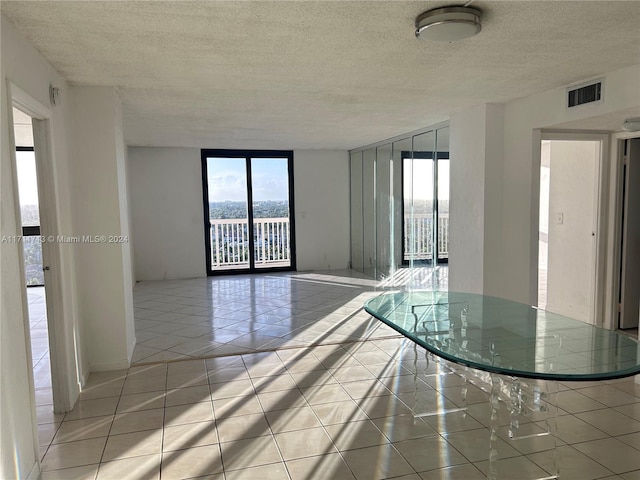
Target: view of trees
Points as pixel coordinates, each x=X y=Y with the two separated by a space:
x=32 y=247
x=30 y=215
x=33 y=261
x=263 y=209
x=425 y=207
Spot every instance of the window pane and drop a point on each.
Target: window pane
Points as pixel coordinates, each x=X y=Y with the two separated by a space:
x=33 y=260
x=418 y=200
x=227 y=187
x=270 y=194
x=28 y=188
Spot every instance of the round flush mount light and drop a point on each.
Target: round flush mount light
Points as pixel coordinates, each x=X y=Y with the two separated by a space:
x=632 y=124
x=448 y=24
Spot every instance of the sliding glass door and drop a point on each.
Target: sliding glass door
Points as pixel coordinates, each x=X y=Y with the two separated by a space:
x=248 y=203
x=426 y=199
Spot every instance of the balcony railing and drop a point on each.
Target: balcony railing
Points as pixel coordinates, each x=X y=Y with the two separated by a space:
x=418 y=236
x=230 y=242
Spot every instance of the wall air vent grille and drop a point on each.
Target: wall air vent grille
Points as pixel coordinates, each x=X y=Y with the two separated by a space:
x=584 y=94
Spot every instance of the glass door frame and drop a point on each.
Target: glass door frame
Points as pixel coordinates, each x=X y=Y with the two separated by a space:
x=248 y=155
x=434 y=157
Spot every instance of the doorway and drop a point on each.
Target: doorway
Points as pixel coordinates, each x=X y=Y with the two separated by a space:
x=568 y=233
x=28 y=195
x=248 y=211
x=629 y=293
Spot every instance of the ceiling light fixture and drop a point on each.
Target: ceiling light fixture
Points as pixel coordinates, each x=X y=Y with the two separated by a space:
x=632 y=124
x=448 y=24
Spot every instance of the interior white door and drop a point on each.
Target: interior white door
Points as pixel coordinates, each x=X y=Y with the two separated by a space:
x=572 y=227
x=630 y=272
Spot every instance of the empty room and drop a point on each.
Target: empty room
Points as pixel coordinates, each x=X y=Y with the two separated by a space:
x=320 y=240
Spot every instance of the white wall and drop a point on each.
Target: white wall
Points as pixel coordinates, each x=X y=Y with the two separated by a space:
x=321 y=179
x=475 y=198
x=26 y=68
x=167 y=212
x=512 y=232
x=101 y=209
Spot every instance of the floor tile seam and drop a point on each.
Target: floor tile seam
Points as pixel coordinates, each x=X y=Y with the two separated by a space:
x=487 y=430
x=281 y=348
x=257 y=466
x=273 y=439
x=592 y=426
x=557 y=460
x=632 y=402
x=164 y=419
x=441 y=468
x=596 y=461
x=618 y=389
x=398 y=452
x=324 y=429
x=243 y=395
x=81 y=419
x=632 y=446
x=118 y=404
x=48 y=446
x=283 y=374
x=42 y=469
x=607 y=409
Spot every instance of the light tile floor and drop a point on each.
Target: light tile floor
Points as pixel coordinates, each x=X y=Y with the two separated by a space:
x=39 y=337
x=200 y=317
x=41 y=363
x=337 y=405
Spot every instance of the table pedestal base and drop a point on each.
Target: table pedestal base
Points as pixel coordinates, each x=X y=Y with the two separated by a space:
x=526 y=401
x=522 y=413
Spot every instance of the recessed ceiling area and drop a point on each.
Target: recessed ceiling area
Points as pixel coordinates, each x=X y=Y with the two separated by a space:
x=307 y=74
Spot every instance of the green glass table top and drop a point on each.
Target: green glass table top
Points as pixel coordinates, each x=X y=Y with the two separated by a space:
x=507 y=337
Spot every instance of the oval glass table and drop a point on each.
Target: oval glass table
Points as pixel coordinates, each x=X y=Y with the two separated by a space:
x=523 y=350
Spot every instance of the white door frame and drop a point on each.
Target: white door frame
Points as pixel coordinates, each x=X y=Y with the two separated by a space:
x=614 y=228
x=600 y=212
x=61 y=348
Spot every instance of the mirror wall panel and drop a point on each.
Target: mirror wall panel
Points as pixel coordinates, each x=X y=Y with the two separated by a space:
x=369 y=210
x=419 y=202
x=401 y=150
x=357 y=239
x=384 y=212
x=400 y=209
x=442 y=194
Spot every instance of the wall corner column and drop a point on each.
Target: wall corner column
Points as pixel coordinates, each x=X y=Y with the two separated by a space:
x=475 y=230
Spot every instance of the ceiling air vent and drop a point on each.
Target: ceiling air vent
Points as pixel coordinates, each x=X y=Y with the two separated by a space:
x=585 y=93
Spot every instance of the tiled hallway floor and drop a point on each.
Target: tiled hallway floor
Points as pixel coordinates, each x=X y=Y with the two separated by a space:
x=331 y=397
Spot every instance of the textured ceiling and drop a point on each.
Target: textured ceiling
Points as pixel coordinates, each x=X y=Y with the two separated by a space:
x=307 y=74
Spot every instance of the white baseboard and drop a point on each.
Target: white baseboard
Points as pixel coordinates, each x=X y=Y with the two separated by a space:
x=130 y=348
x=106 y=367
x=85 y=379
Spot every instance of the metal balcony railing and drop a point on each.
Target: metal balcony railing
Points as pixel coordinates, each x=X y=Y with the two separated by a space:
x=418 y=236
x=230 y=242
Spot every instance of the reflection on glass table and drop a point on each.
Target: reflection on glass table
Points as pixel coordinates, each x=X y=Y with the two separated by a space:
x=515 y=350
